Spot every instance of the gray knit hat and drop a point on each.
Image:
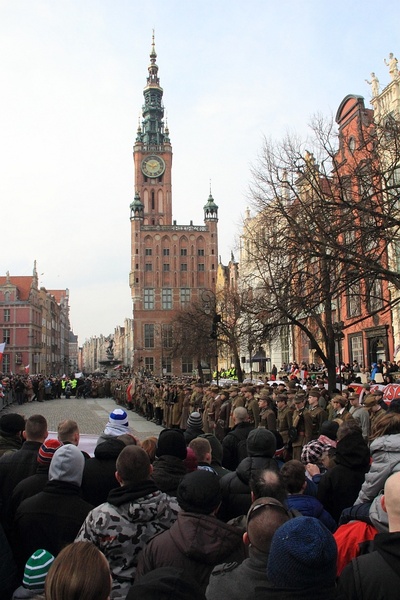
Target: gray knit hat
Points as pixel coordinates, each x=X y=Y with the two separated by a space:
x=195 y=421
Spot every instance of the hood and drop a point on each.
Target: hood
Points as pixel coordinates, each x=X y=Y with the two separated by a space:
x=386 y=443
x=204 y=538
x=388 y=546
x=143 y=503
x=67 y=465
x=250 y=464
x=109 y=448
x=378 y=517
x=352 y=452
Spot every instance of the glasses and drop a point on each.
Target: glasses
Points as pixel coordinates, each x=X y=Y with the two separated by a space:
x=258 y=507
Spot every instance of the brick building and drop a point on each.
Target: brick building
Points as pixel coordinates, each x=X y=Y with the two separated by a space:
x=171 y=265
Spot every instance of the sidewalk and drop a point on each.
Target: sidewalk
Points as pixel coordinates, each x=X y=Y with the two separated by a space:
x=91 y=416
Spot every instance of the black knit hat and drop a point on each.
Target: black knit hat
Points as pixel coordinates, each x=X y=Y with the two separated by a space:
x=12 y=423
x=172 y=443
x=261 y=442
x=199 y=492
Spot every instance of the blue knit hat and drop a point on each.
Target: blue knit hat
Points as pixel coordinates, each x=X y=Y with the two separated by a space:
x=303 y=555
x=119 y=417
x=36 y=569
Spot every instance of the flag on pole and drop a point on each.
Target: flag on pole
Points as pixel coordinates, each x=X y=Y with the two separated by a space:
x=27 y=369
x=2 y=348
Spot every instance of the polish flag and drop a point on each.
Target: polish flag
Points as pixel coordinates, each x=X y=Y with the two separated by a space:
x=2 y=348
x=26 y=369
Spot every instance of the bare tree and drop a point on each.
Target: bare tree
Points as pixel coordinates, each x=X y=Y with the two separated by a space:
x=325 y=220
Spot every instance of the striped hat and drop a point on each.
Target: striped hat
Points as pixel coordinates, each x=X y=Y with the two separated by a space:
x=36 y=569
x=46 y=451
x=119 y=417
x=195 y=420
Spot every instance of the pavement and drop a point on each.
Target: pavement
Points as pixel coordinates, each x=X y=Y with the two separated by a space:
x=90 y=414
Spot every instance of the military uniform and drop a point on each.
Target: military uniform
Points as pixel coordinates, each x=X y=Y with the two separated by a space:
x=284 y=422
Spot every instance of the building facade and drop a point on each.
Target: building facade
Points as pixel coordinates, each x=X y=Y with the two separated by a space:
x=171 y=265
x=34 y=326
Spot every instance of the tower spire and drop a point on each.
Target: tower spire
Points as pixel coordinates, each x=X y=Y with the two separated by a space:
x=153 y=135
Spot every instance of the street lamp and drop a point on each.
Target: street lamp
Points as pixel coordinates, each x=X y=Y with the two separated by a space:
x=339 y=336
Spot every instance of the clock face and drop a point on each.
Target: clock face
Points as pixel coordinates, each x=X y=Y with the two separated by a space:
x=153 y=166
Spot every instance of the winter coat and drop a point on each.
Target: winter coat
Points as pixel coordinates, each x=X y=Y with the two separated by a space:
x=309 y=506
x=168 y=472
x=230 y=443
x=339 y=487
x=122 y=526
x=99 y=472
x=196 y=543
x=385 y=453
x=9 y=443
x=192 y=433
x=28 y=487
x=50 y=519
x=374 y=576
x=236 y=493
x=236 y=581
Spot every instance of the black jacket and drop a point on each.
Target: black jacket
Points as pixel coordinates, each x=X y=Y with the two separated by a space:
x=168 y=472
x=230 y=443
x=99 y=472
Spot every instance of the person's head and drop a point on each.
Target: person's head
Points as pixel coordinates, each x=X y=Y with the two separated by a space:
x=338 y=402
x=313 y=397
x=171 y=442
x=293 y=476
x=12 y=425
x=303 y=555
x=388 y=424
x=281 y=401
x=329 y=429
x=261 y=442
x=68 y=432
x=46 y=452
x=354 y=400
x=67 y=465
x=149 y=445
x=216 y=447
x=195 y=421
x=299 y=401
x=370 y=402
x=36 y=429
x=240 y=415
x=347 y=428
x=267 y=483
x=71 y=575
x=202 y=449
x=390 y=501
x=36 y=569
x=263 y=519
x=199 y=492
x=133 y=466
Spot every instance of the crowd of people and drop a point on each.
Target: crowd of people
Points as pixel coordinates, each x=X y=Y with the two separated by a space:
x=281 y=490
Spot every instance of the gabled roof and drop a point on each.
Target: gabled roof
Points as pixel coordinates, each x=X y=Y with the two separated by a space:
x=23 y=285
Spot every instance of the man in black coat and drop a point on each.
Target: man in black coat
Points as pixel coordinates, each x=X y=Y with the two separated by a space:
x=234 y=443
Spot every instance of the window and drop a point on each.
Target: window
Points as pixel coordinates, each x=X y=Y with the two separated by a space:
x=149 y=363
x=184 y=296
x=148 y=252
x=201 y=266
x=165 y=267
x=356 y=346
x=167 y=364
x=184 y=267
x=148 y=267
x=200 y=252
x=167 y=336
x=374 y=295
x=166 y=252
x=152 y=201
x=149 y=335
x=187 y=366
x=6 y=363
x=167 y=298
x=353 y=300
x=6 y=336
x=183 y=251
x=6 y=315
x=148 y=299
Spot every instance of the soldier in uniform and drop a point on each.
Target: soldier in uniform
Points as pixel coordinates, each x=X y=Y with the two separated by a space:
x=318 y=415
x=302 y=422
x=237 y=399
x=267 y=413
x=284 y=417
x=252 y=406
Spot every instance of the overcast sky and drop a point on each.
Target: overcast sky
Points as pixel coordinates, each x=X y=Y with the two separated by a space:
x=72 y=74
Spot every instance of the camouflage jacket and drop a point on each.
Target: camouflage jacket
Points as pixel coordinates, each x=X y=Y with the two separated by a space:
x=121 y=527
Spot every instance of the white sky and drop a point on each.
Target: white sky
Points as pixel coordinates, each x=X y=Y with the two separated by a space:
x=72 y=74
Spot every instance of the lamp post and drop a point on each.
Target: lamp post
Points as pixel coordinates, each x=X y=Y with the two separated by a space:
x=339 y=336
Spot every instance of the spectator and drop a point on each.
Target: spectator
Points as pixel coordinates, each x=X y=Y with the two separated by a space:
x=194 y=427
x=234 y=447
x=169 y=468
x=117 y=425
x=133 y=513
x=197 y=541
x=165 y=583
x=12 y=427
x=35 y=573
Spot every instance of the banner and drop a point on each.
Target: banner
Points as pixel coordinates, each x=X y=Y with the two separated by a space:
x=2 y=348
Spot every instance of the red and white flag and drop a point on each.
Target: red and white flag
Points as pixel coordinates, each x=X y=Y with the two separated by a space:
x=2 y=348
x=26 y=369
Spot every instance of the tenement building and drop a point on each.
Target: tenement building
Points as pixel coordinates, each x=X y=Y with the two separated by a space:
x=171 y=265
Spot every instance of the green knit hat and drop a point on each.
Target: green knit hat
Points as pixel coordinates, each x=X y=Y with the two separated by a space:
x=36 y=569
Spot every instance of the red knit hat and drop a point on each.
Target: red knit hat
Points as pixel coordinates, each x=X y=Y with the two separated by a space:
x=46 y=451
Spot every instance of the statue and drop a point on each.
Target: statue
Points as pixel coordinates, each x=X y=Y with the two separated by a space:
x=374 y=83
x=110 y=350
x=392 y=64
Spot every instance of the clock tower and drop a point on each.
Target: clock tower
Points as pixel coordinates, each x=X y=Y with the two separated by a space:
x=171 y=265
x=152 y=153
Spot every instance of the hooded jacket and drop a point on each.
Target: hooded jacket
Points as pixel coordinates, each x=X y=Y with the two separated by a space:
x=196 y=543
x=339 y=487
x=309 y=506
x=385 y=453
x=168 y=472
x=122 y=526
x=99 y=472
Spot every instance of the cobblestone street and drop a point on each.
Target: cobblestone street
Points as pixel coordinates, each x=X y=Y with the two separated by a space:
x=91 y=415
